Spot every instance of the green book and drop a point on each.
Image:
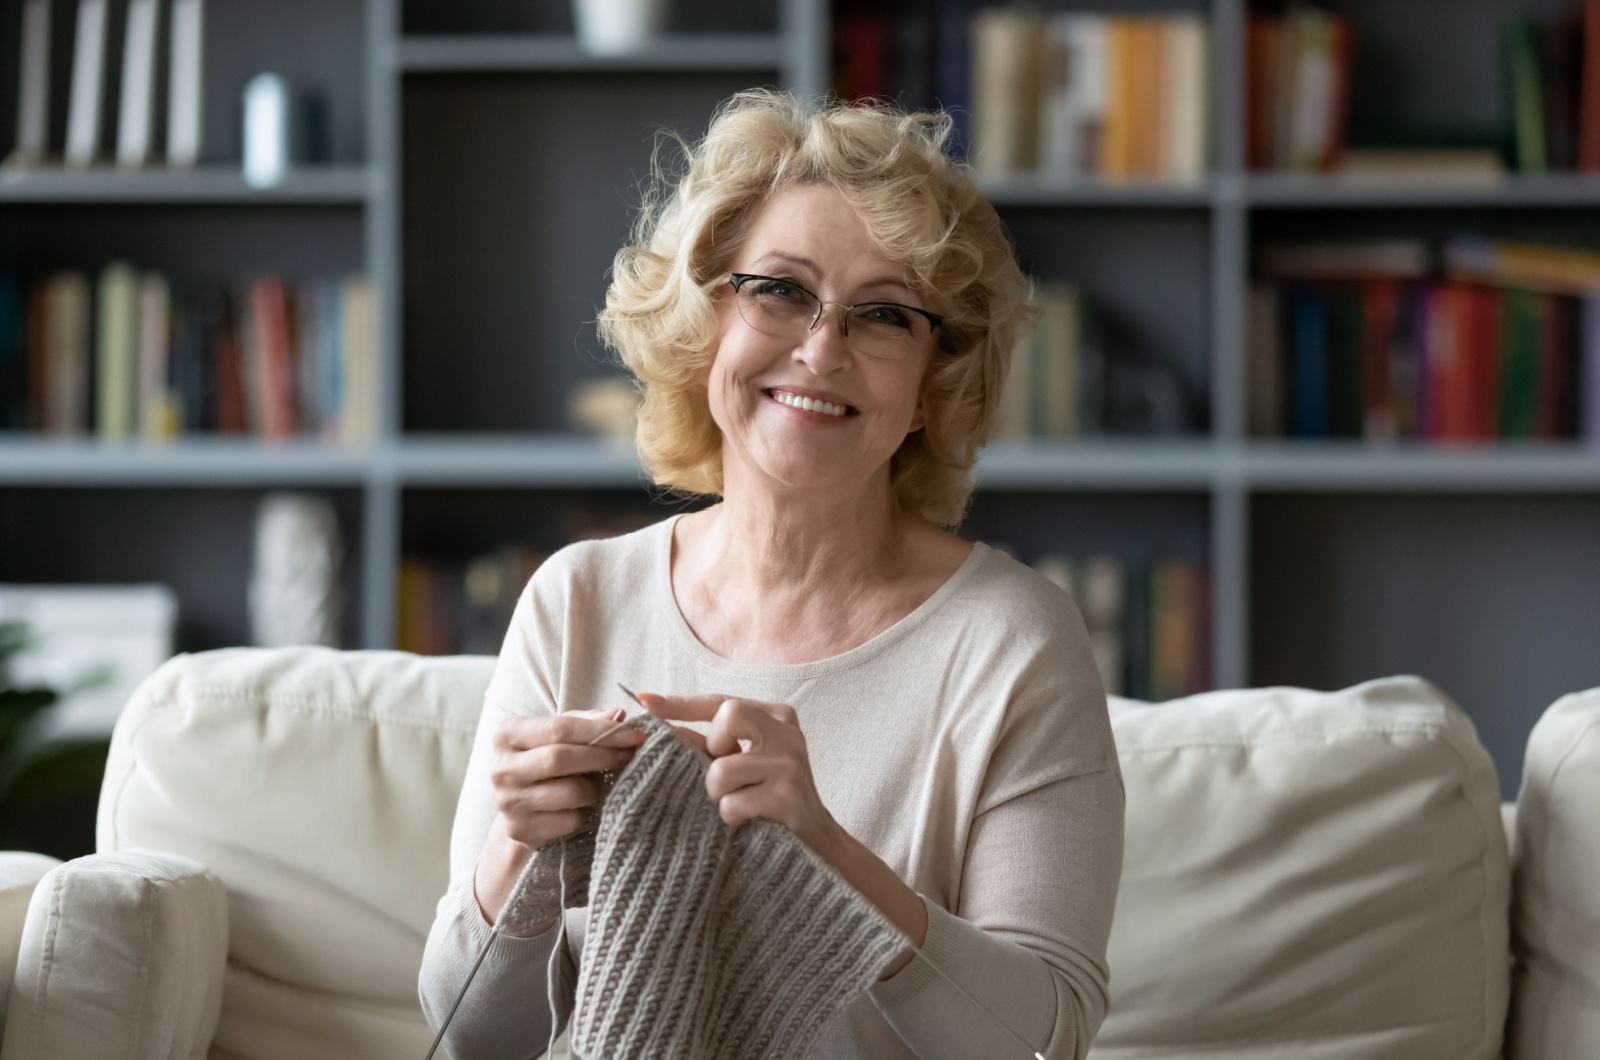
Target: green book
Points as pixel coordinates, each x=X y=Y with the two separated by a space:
x=117 y=365
x=1527 y=103
x=1519 y=363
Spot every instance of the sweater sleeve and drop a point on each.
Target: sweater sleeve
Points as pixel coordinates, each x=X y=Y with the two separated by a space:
x=1030 y=939
x=1037 y=880
x=506 y=1012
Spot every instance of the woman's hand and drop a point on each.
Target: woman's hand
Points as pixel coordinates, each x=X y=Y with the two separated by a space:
x=538 y=773
x=759 y=768
x=540 y=790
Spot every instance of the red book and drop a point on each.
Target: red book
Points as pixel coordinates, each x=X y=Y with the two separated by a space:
x=1483 y=348
x=1589 y=90
x=274 y=383
x=1333 y=149
x=861 y=57
x=1379 y=310
x=1260 y=75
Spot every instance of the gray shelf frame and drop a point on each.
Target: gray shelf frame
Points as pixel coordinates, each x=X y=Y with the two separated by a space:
x=1226 y=467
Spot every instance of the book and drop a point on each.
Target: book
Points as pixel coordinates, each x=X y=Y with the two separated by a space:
x=1265 y=362
x=184 y=97
x=1007 y=61
x=1538 y=267
x=33 y=88
x=273 y=375
x=358 y=313
x=1524 y=322
x=1073 y=106
x=1526 y=98
x=117 y=339
x=13 y=355
x=137 y=99
x=1173 y=596
x=913 y=61
x=1427 y=167
x=1122 y=86
x=67 y=341
x=1560 y=50
x=158 y=408
x=88 y=78
x=1186 y=60
x=1101 y=597
x=1346 y=259
x=952 y=76
x=1056 y=369
x=1380 y=307
x=1589 y=90
x=1297 y=88
x=1589 y=402
x=1307 y=323
x=861 y=57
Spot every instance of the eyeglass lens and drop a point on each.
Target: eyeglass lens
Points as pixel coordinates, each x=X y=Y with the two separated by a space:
x=786 y=311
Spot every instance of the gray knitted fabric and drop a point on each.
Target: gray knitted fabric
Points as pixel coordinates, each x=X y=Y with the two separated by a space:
x=705 y=942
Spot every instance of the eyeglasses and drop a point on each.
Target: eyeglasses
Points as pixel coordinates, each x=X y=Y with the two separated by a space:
x=785 y=310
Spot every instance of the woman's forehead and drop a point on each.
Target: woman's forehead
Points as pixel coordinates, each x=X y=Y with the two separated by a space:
x=814 y=231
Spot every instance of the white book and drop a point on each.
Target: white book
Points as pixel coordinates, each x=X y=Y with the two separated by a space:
x=1074 y=103
x=134 y=118
x=183 y=97
x=156 y=403
x=1184 y=153
x=88 y=79
x=33 y=95
x=1007 y=53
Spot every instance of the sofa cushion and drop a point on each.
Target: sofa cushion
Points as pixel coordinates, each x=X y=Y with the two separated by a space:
x=1322 y=875
x=320 y=787
x=20 y=873
x=1556 y=919
x=121 y=956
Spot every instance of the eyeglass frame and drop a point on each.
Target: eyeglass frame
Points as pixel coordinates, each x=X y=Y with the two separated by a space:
x=739 y=279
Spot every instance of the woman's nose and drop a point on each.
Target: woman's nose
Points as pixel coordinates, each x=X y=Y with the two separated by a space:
x=824 y=349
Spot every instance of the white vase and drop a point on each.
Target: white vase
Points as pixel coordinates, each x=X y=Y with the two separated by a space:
x=617 y=27
x=294 y=590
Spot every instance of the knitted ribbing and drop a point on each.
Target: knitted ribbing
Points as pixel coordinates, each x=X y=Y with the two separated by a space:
x=707 y=942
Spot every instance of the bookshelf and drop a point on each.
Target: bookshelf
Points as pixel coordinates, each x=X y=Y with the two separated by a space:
x=482 y=176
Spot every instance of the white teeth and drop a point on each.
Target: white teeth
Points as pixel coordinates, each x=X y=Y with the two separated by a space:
x=808 y=404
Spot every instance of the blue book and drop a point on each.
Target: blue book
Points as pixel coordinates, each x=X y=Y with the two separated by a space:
x=953 y=77
x=330 y=358
x=13 y=356
x=1308 y=334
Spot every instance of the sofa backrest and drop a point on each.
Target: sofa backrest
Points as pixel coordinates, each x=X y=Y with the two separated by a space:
x=1556 y=918
x=320 y=787
x=1322 y=875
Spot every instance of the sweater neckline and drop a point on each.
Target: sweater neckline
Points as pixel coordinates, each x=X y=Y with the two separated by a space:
x=882 y=641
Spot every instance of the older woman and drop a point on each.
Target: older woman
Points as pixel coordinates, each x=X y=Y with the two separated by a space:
x=820 y=313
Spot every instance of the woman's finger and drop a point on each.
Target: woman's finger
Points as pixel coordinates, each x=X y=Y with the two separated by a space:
x=732 y=772
x=682 y=708
x=519 y=732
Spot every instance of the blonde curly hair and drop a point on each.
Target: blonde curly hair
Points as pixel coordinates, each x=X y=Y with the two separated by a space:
x=919 y=205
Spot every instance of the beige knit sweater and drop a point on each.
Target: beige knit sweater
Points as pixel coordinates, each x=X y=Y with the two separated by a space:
x=968 y=746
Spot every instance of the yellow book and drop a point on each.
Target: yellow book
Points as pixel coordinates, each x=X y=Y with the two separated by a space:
x=1171 y=639
x=1121 y=74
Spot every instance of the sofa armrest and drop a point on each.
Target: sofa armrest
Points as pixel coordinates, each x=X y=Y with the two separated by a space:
x=20 y=872
x=122 y=954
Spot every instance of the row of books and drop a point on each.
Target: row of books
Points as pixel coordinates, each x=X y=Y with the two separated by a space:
x=1062 y=96
x=1553 y=71
x=1149 y=621
x=1297 y=89
x=1494 y=341
x=454 y=607
x=98 y=109
x=131 y=356
x=1064 y=381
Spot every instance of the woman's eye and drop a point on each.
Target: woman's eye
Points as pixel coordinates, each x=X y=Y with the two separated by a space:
x=893 y=316
x=778 y=289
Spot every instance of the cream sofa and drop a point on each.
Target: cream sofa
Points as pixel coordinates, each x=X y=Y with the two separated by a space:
x=1317 y=875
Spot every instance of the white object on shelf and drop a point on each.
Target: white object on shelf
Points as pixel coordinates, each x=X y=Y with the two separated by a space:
x=77 y=631
x=183 y=86
x=294 y=588
x=138 y=84
x=88 y=77
x=617 y=27
x=266 y=130
x=33 y=95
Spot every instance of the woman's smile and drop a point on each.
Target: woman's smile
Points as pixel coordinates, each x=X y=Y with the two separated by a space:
x=809 y=406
